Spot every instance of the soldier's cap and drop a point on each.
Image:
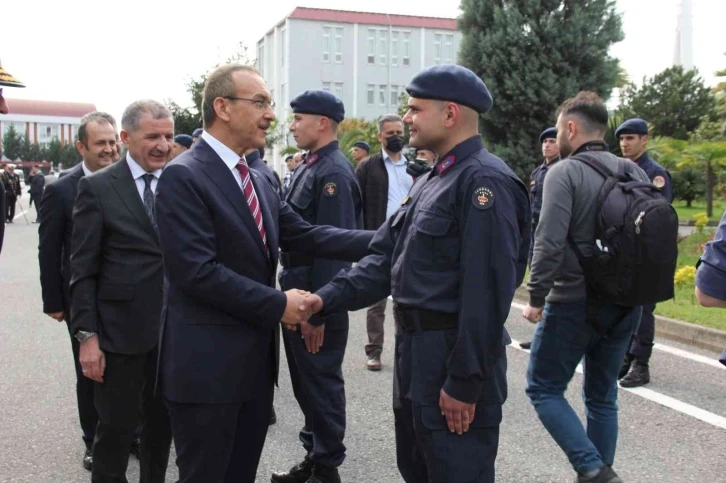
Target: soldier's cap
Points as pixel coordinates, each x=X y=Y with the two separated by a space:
x=549 y=133
x=197 y=132
x=288 y=157
x=184 y=139
x=320 y=103
x=7 y=80
x=452 y=83
x=632 y=126
x=363 y=145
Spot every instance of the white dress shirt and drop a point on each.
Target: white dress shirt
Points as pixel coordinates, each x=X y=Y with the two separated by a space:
x=137 y=172
x=86 y=171
x=229 y=157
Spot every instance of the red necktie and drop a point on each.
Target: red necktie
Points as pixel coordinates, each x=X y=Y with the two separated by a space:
x=251 y=197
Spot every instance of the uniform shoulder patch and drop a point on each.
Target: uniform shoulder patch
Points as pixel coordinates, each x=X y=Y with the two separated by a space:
x=659 y=181
x=483 y=198
x=533 y=182
x=330 y=190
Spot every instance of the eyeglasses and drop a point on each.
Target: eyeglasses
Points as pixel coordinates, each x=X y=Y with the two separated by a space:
x=261 y=104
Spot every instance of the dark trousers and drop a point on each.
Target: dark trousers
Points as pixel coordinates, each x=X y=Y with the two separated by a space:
x=87 y=413
x=129 y=383
x=35 y=197
x=375 y=318
x=317 y=381
x=641 y=345
x=10 y=200
x=426 y=451
x=221 y=443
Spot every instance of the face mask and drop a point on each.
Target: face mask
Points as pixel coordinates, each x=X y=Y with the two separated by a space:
x=394 y=144
x=417 y=167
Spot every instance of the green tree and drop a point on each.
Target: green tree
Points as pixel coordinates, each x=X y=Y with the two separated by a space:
x=354 y=129
x=26 y=148
x=674 y=101
x=719 y=93
x=12 y=144
x=709 y=158
x=69 y=155
x=688 y=184
x=53 y=152
x=185 y=120
x=532 y=55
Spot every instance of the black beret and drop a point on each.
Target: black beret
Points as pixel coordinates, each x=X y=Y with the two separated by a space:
x=363 y=145
x=549 y=133
x=184 y=139
x=632 y=126
x=453 y=83
x=197 y=132
x=319 y=102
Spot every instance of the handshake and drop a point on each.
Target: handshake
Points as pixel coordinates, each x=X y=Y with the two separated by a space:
x=301 y=305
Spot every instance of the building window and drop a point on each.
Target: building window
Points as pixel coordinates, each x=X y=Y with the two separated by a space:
x=46 y=132
x=326 y=86
x=406 y=59
x=338 y=90
x=283 y=37
x=382 y=95
x=261 y=60
x=394 y=95
x=371 y=46
x=339 y=45
x=371 y=94
x=382 y=46
x=437 y=48
x=394 y=48
x=448 y=49
x=326 y=44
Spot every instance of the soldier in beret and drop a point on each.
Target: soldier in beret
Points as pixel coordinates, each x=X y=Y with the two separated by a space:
x=451 y=257
x=360 y=151
x=323 y=192
x=551 y=154
x=182 y=142
x=633 y=137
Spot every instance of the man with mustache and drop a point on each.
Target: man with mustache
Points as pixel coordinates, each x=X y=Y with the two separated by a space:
x=221 y=226
x=116 y=296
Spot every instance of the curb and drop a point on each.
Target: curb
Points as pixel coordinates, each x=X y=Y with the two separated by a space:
x=711 y=223
x=713 y=340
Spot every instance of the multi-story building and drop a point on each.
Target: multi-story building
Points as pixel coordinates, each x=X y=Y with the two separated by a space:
x=366 y=59
x=43 y=121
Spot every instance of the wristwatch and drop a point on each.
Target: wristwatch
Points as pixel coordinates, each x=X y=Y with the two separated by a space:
x=84 y=335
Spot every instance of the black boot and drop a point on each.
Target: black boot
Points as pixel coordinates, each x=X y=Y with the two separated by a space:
x=300 y=473
x=88 y=459
x=324 y=474
x=273 y=416
x=525 y=345
x=639 y=375
x=625 y=367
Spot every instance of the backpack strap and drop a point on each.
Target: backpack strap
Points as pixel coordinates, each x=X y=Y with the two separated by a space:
x=598 y=166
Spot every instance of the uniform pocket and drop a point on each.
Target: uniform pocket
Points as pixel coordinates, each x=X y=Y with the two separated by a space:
x=437 y=233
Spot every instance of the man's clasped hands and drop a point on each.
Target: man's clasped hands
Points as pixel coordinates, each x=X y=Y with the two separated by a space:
x=302 y=305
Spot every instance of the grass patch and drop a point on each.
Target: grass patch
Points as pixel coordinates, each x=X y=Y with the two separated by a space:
x=686 y=214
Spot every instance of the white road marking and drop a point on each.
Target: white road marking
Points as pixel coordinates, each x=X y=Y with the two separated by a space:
x=662 y=399
x=670 y=350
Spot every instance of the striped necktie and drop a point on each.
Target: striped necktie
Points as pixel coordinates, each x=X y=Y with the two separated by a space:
x=252 y=201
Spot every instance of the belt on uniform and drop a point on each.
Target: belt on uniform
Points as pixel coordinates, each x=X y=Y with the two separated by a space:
x=294 y=259
x=411 y=320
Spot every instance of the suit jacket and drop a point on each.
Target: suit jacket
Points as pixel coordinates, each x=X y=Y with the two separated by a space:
x=222 y=312
x=372 y=180
x=54 y=234
x=117 y=272
x=37 y=184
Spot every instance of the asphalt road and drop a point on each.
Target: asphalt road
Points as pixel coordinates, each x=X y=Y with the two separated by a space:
x=40 y=439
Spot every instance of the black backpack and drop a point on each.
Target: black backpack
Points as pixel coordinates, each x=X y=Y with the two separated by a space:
x=636 y=241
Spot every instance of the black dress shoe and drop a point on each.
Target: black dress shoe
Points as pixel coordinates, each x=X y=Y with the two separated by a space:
x=324 y=474
x=639 y=375
x=136 y=449
x=605 y=475
x=525 y=345
x=273 y=416
x=88 y=459
x=300 y=473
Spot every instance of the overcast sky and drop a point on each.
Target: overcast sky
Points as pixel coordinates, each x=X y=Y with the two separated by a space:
x=85 y=51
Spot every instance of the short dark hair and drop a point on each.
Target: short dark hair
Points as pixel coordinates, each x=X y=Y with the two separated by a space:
x=589 y=108
x=95 y=116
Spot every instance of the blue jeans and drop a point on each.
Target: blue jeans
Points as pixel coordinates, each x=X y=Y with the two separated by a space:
x=560 y=341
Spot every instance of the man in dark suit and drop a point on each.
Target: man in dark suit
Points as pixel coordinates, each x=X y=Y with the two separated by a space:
x=116 y=295
x=96 y=144
x=221 y=226
x=36 y=181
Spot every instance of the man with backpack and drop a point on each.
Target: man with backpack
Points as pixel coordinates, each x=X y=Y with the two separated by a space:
x=582 y=310
x=633 y=138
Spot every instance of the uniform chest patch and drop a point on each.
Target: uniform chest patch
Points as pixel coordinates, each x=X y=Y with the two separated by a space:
x=659 y=181
x=533 y=182
x=330 y=190
x=483 y=198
